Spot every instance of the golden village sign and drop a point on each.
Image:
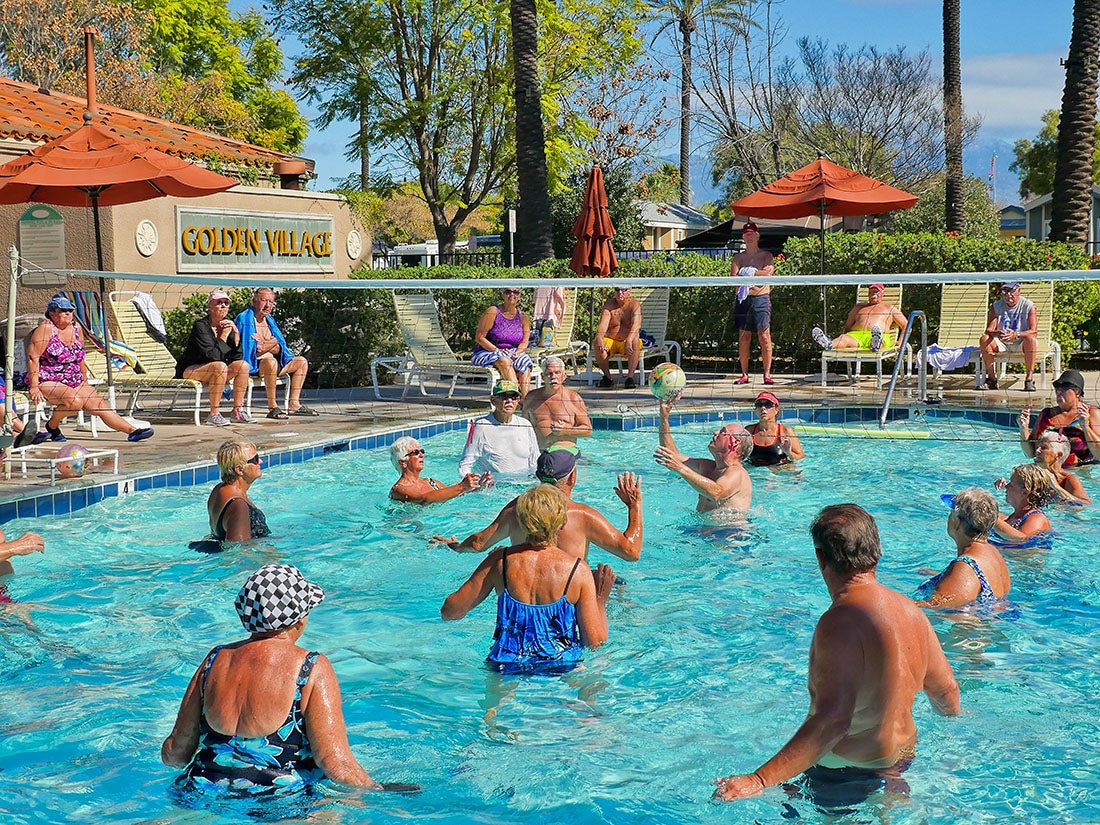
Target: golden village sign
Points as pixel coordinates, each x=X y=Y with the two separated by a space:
x=235 y=240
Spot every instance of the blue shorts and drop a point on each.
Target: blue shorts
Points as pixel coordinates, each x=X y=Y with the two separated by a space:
x=754 y=314
x=485 y=358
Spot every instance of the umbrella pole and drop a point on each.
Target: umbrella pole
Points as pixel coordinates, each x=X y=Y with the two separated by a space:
x=821 y=232
x=102 y=294
x=9 y=349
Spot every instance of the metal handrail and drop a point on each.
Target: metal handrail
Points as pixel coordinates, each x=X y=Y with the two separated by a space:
x=922 y=378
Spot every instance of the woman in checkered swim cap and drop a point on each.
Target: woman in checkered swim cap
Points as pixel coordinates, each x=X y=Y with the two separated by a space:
x=241 y=729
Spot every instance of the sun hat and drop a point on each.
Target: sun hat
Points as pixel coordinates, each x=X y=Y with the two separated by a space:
x=59 y=302
x=1011 y=286
x=218 y=295
x=1074 y=379
x=504 y=386
x=876 y=286
x=767 y=396
x=275 y=597
x=556 y=463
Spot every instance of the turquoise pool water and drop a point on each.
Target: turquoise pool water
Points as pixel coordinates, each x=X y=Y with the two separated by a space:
x=704 y=673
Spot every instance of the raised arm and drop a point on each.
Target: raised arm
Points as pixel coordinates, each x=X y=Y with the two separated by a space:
x=834 y=664
x=325 y=728
x=664 y=429
x=789 y=443
x=1028 y=438
x=475 y=589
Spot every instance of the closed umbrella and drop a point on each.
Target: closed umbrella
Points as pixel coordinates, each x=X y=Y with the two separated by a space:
x=93 y=166
x=823 y=188
x=594 y=254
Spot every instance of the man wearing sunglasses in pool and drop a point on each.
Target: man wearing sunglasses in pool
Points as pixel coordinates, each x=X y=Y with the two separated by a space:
x=721 y=480
x=584 y=526
x=619 y=333
x=501 y=442
x=873 y=651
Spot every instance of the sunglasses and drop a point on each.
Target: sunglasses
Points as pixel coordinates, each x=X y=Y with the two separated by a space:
x=509 y=397
x=950 y=501
x=765 y=405
x=509 y=292
x=411 y=453
x=622 y=289
x=254 y=460
x=220 y=303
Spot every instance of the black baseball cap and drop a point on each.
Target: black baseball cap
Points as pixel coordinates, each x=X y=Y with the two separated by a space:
x=556 y=463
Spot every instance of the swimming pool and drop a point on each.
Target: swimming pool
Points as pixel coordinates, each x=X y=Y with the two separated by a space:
x=704 y=673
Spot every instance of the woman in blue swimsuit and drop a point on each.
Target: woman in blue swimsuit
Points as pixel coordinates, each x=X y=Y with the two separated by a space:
x=242 y=727
x=978 y=573
x=549 y=605
x=233 y=516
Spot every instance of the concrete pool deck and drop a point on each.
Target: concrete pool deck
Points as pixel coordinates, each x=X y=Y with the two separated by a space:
x=187 y=452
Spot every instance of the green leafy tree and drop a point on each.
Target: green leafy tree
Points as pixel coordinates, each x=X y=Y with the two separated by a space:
x=685 y=15
x=662 y=185
x=1035 y=159
x=1071 y=203
x=929 y=215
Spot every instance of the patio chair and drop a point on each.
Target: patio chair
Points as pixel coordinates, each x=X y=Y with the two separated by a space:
x=564 y=346
x=155 y=366
x=1040 y=293
x=426 y=350
x=654 y=302
x=964 y=309
x=858 y=357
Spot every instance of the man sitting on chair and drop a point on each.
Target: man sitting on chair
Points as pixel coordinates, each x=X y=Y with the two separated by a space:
x=1012 y=326
x=868 y=326
x=618 y=335
x=267 y=354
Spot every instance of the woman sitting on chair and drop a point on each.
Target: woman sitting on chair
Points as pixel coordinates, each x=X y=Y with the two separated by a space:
x=213 y=356
x=58 y=375
x=501 y=340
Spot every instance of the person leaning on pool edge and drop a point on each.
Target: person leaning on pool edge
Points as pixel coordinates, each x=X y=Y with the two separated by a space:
x=873 y=650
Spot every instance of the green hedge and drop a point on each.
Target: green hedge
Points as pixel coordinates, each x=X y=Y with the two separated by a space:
x=340 y=331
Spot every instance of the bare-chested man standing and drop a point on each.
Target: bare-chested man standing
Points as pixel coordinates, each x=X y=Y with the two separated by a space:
x=868 y=326
x=557 y=413
x=873 y=650
x=619 y=334
x=721 y=481
x=583 y=525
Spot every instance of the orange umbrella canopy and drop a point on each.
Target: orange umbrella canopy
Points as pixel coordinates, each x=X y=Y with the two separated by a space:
x=594 y=254
x=93 y=166
x=840 y=190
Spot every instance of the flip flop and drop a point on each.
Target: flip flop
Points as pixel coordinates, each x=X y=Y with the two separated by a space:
x=304 y=411
x=744 y=379
x=769 y=380
x=277 y=414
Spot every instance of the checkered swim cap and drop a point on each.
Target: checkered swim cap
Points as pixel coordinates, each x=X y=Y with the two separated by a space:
x=275 y=597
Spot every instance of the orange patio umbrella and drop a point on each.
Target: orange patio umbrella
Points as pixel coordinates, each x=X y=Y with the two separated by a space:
x=823 y=188
x=594 y=254
x=93 y=166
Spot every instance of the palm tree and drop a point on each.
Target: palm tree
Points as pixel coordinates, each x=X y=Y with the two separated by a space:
x=534 y=227
x=685 y=15
x=954 y=202
x=1077 y=129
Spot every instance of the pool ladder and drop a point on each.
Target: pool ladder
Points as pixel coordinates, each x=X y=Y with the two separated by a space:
x=922 y=375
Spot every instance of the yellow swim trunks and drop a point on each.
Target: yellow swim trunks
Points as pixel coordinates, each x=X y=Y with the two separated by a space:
x=616 y=347
x=864 y=338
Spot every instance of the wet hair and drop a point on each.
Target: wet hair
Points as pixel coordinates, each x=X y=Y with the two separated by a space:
x=1038 y=483
x=541 y=512
x=846 y=538
x=231 y=455
x=977 y=510
x=1060 y=442
x=399 y=450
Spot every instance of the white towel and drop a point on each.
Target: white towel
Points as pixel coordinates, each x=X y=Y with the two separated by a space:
x=947 y=358
x=150 y=312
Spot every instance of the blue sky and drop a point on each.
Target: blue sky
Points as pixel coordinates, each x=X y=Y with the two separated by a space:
x=1010 y=54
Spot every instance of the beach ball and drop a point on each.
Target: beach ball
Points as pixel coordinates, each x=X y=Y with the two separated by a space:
x=76 y=464
x=666 y=380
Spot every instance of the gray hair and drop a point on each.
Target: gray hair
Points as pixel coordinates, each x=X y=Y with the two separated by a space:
x=399 y=450
x=1060 y=442
x=553 y=359
x=977 y=510
x=846 y=537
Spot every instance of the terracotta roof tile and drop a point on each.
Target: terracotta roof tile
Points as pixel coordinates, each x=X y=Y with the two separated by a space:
x=33 y=114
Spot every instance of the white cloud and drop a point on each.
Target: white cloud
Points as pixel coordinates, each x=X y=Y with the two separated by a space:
x=1012 y=91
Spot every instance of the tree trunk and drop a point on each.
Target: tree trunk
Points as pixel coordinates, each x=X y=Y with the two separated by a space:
x=534 y=228
x=1077 y=129
x=685 y=118
x=954 y=202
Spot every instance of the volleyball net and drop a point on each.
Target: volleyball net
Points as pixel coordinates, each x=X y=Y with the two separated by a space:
x=364 y=350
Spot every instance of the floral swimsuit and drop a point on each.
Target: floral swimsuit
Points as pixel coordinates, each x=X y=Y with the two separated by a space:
x=60 y=362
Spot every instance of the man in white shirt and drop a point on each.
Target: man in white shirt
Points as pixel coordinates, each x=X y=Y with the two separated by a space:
x=501 y=442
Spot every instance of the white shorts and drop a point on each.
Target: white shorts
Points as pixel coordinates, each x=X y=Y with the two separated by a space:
x=1010 y=346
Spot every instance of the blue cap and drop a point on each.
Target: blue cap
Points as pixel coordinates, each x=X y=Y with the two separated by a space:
x=1011 y=286
x=59 y=302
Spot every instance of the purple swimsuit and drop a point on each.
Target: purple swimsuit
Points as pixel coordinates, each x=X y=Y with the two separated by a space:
x=60 y=362
x=505 y=333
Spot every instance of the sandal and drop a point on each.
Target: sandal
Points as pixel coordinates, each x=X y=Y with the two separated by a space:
x=277 y=413
x=744 y=379
x=304 y=411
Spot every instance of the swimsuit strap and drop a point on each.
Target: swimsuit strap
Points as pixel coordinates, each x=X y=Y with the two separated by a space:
x=206 y=672
x=568 y=581
x=504 y=568
x=218 y=528
x=304 y=672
